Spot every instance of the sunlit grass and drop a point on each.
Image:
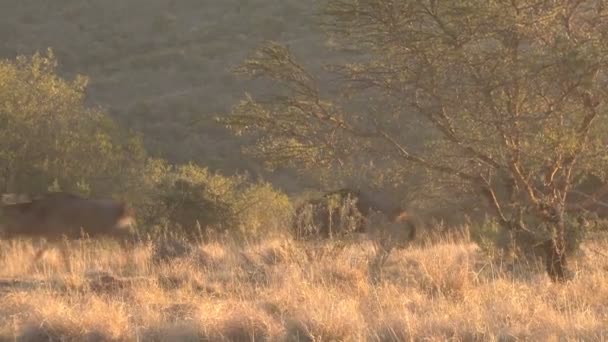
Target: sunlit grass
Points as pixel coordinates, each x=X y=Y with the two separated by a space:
x=281 y=290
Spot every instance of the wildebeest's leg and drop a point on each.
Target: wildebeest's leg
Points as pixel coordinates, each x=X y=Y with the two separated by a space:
x=45 y=246
x=65 y=254
x=40 y=253
x=42 y=249
x=127 y=242
x=412 y=234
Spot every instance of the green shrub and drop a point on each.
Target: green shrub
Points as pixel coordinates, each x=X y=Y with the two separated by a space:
x=263 y=211
x=193 y=202
x=51 y=139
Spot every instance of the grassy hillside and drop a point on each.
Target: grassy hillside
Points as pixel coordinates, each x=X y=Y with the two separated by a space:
x=162 y=67
x=280 y=291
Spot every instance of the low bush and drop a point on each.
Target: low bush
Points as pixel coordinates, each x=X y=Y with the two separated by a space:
x=193 y=202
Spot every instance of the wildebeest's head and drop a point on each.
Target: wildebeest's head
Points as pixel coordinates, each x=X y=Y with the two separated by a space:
x=408 y=222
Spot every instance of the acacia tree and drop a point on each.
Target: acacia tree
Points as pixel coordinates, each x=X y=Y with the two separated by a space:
x=510 y=96
x=49 y=138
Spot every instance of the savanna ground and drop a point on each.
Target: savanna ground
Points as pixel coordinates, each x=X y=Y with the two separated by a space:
x=281 y=290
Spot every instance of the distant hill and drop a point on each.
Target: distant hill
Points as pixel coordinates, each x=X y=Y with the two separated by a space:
x=161 y=67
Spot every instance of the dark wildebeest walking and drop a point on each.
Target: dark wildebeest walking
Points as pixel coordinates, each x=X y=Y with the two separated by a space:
x=58 y=215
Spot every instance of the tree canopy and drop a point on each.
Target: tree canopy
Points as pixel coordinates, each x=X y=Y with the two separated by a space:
x=49 y=138
x=501 y=99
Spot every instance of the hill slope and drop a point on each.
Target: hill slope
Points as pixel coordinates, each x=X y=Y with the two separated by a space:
x=162 y=67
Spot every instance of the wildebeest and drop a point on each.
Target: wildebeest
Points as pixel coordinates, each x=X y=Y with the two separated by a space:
x=345 y=211
x=59 y=215
x=331 y=215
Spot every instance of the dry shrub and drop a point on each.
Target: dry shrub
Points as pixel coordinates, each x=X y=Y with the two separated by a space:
x=445 y=269
x=254 y=271
x=213 y=256
x=169 y=282
x=183 y=274
x=16 y=249
x=308 y=306
x=54 y=319
x=321 y=314
x=108 y=283
x=276 y=252
x=306 y=328
x=180 y=312
x=297 y=330
x=43 y=332
x=343 y=277
x=182 y=331
x=246 y=325
x=394 y=330
x=437 y=233
x=167 y=250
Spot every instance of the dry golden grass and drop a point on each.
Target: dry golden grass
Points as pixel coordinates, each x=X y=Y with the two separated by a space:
x=283 y=291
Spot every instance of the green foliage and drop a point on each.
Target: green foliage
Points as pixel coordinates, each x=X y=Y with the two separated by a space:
x=286 y=130
x=49 y=139
x=263 y=211
x=197 y=203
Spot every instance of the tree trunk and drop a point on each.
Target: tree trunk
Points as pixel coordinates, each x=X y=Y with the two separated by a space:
x=555 y=259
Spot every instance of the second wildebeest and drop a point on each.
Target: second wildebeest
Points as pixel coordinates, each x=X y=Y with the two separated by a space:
x=333 y=214
x=58 y=215
x=348 y=211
